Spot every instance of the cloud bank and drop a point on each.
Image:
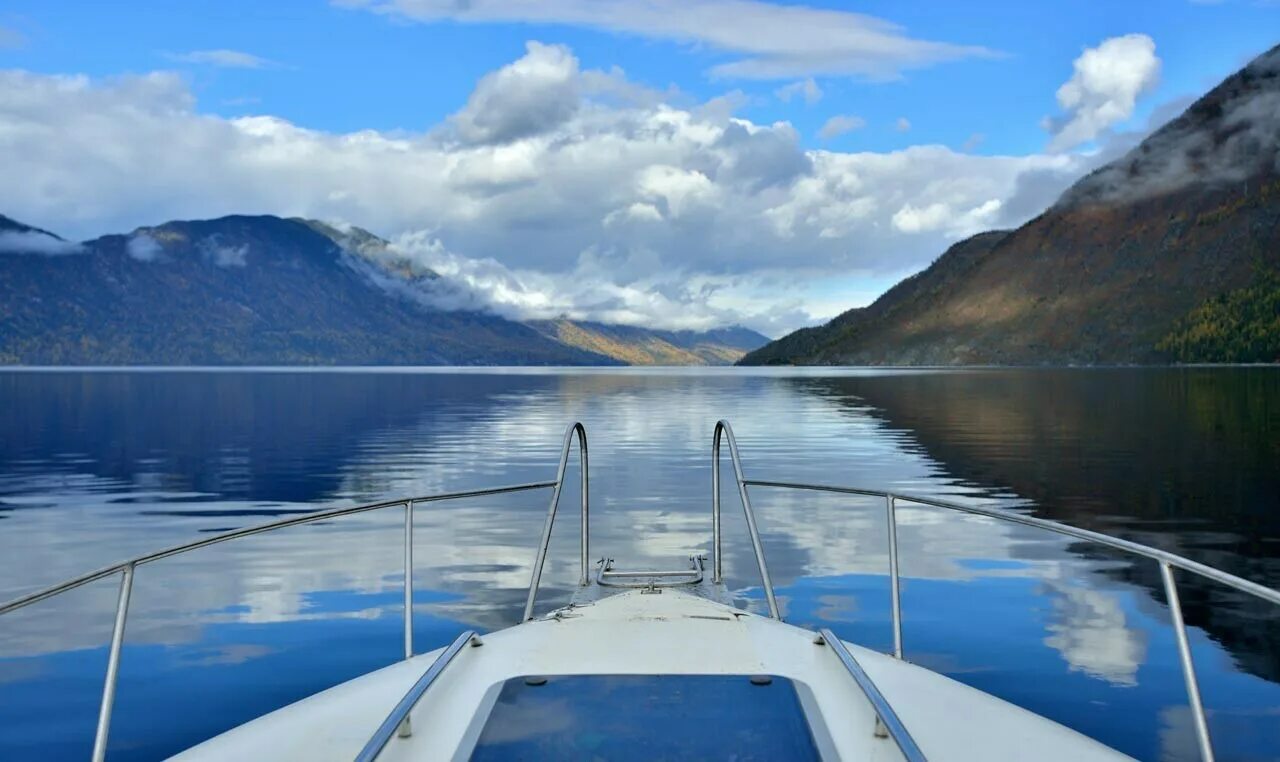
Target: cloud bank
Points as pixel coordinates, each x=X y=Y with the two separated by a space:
x=552 y=189
x=32 y=242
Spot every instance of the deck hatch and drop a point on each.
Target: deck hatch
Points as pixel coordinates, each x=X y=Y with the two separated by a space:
x=645 y=717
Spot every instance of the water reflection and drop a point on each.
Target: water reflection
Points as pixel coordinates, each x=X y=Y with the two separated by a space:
x=99 y=466
x=1185 y=460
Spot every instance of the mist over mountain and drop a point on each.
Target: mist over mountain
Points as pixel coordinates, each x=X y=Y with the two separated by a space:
x=1166 y=253
x=246 y=290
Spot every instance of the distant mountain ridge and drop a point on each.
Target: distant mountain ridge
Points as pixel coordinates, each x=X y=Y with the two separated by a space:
x=243 y=290
x=1109 y=273
x=645 y=346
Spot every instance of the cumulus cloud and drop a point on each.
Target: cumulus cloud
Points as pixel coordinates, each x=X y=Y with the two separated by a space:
x=667 y=213
x=941 y=216
x=805 y=88
x=841 y=124
x=772 y=41
x=531 y=96
x=902 y=125
x=143 y=247
x=1226 y=137
x=223 y=58
x=32 y=242
x=1103 y=89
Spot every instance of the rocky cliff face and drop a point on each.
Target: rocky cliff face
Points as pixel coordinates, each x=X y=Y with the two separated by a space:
x=1191 y=213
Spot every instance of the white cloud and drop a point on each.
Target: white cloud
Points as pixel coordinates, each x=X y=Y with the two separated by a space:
x=223 y=58
x=774 y=41
x=531 y=96
x=1182 y=152
x=1090 y=629
x=222 y=255
x=622 y=206
x=902 y=125
x=910 y=219
x=589 y=291
x=143 y=247
x=804 y=88
x=32 y=242
x=1103 y=89
x=841 y=124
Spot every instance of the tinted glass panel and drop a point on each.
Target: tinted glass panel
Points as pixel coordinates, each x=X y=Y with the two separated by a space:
x=647 y=717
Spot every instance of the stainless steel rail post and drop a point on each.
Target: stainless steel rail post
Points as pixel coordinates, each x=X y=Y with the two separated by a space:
x=1188 y=667
x=541 y=558
x=113 y=666
x=408 y=579
x=883 y=709
x=894 y=594
x=127 y=568
x=235 y=534
x=727 y=430
x=398 y=720
x=585 y=543
x=717 y=549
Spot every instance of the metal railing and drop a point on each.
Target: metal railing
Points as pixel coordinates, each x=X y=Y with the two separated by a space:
x=885 y=714
x=585 y=542
x=398 y=721
x=723 y=427
x=127 y=569
x=1166 y=560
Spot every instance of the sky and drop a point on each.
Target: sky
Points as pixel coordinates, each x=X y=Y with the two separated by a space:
x=675 y=163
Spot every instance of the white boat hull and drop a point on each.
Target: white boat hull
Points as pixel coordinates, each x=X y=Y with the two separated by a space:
x=671 y=633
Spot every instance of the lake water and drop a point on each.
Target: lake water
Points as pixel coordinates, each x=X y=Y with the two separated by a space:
x=99 y=466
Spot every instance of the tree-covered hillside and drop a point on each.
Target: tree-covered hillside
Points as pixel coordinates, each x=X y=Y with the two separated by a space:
x=1239 y=326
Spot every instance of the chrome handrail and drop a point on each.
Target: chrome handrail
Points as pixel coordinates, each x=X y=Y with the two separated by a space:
x=1167 y=561
x=883 y=709
x=127 y=568
x=585 y=542
x=718 y=562
x=1004 y=514
x=399 y=717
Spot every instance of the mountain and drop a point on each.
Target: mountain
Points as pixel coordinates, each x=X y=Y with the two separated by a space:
x=645 y=346
x=239 y=291
x=1122 y=269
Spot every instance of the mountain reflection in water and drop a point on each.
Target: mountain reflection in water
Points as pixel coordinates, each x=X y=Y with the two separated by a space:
x=96 y=466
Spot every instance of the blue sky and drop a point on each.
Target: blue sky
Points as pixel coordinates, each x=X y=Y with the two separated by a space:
x=978 y=79
x=343 y=69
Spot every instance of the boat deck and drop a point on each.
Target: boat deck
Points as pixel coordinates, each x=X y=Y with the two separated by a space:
x=640 y=633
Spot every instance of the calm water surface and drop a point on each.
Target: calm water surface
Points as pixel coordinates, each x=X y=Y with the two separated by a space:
x=99 y=466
